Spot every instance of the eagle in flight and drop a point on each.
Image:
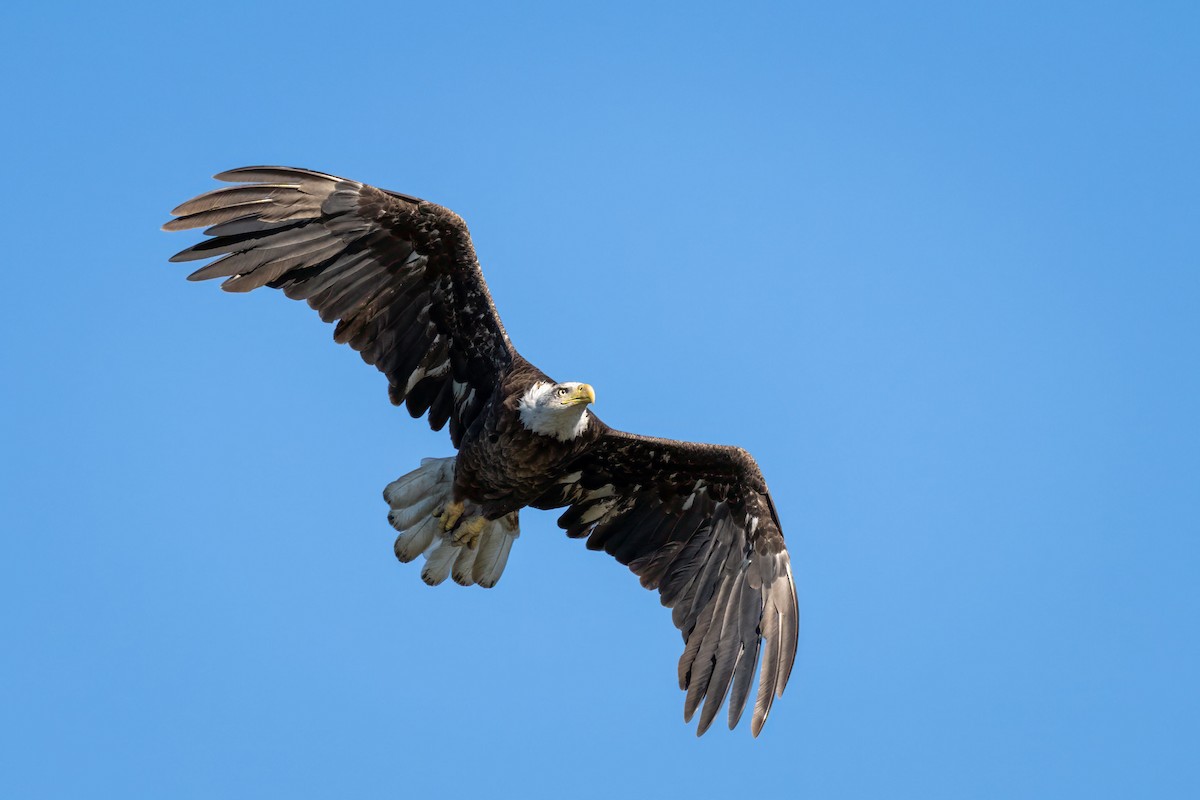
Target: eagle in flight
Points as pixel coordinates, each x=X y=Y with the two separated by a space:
x=400 y=277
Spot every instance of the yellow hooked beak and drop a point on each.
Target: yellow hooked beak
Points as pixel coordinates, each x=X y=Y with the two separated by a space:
x=583 y=394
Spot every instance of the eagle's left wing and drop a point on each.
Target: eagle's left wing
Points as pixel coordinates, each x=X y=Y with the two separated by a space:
x=398 y=274
x=696 y=522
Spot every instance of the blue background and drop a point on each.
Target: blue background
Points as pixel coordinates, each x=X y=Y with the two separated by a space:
x=936 y=266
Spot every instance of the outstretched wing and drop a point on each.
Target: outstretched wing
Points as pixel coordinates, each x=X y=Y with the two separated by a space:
x=399 y=274
x=696 y=522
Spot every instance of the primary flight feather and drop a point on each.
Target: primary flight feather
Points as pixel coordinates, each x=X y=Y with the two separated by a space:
x=400 y=277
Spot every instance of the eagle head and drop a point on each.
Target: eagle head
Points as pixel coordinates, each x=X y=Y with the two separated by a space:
x=556 y=409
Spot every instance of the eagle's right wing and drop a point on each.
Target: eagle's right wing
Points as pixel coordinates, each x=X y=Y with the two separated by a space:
x=695 y=522
x=398 y=273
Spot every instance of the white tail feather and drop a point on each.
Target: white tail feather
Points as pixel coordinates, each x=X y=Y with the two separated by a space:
x=439 y=562
x=416 y=540
x=404 y=518
x=464 y=565
x=414 y=499
x=493 y=552
x=407 y=489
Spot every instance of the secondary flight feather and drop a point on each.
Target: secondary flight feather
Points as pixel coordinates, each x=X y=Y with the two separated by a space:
x=400 y=277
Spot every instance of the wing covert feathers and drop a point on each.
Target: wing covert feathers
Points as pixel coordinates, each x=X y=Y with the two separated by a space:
x=398 y=274
x=695 y=522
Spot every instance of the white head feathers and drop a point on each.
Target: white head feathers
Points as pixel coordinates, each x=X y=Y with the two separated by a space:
x=556 y=409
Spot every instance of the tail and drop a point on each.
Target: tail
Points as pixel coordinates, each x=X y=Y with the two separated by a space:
x=418 y=501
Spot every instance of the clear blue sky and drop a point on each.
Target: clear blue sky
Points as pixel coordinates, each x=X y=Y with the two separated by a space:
x=936 y=265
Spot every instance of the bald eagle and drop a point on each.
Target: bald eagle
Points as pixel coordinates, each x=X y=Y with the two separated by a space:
x=400 y=277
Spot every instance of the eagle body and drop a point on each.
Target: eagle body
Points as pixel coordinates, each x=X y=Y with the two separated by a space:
x=400 y=277
x=502 y=464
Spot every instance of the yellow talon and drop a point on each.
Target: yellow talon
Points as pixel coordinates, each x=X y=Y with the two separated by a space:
x=470 y=532
x=450 y=515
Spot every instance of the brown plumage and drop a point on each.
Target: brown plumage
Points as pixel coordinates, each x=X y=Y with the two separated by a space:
x=400 y=277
